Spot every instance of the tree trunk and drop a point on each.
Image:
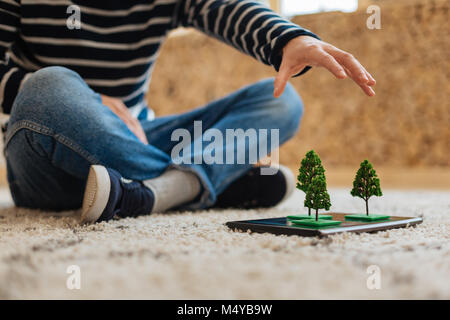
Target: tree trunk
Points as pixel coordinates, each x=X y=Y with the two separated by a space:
x=309 y=211
x=367 y=206
x=317 y=214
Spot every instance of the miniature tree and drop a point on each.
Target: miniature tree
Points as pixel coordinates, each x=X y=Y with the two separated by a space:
x=366 y=183
x=317 y=196
x=310 y=167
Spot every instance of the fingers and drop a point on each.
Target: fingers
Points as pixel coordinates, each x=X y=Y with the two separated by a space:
x=283 y=76
x=326 y=60
x=368 y=90
x=357 y=73
x=364 y=86
x=354 y=69
x=135 y=126
x=138 y=131
x=281 y=80
x=372 y=81
x=119 y=108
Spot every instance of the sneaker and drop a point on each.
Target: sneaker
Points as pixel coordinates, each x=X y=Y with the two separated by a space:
x=254 y=190
x=107 y=194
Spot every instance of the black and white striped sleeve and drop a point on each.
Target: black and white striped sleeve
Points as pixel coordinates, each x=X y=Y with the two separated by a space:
x=11 y=77
x=247 y=25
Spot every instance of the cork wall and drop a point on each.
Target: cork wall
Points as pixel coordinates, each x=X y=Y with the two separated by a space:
x=407 y=124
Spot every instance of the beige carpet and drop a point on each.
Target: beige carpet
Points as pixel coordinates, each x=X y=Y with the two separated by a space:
x=193 y=255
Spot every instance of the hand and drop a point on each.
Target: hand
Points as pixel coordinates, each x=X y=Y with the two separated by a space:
x=308 y=51
x=119 y=108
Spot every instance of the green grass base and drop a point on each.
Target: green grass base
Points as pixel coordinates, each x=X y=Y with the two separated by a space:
x=364 y=217
x=316 y=224
x=313 y=216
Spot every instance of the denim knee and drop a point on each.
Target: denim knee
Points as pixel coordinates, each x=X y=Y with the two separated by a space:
x=46 y=80
x=45 y=87
x=52 y=94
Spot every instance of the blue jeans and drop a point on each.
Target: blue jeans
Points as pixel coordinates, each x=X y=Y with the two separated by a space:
x=59 y=127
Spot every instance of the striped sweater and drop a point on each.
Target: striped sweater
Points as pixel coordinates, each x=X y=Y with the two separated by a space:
x=117 y=42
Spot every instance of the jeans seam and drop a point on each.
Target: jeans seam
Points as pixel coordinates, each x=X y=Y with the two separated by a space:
x=33 y=126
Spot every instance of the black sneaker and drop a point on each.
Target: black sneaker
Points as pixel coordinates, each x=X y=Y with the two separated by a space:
x=108 y=194
x=254 y=190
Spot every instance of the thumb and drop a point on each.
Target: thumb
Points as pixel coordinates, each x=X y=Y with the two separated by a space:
x=283 y=76
x=280 y=80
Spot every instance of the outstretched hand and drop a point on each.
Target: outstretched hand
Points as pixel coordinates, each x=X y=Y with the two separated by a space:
x=308 y=51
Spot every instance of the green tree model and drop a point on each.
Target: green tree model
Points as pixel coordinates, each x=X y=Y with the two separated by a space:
x=310 y=167
x=317 y=196
x=366 y=183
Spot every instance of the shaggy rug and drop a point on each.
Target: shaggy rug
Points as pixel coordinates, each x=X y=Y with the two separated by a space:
x=194 y=256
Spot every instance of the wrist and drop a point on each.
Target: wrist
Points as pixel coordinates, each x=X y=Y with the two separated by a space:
x=297 y=41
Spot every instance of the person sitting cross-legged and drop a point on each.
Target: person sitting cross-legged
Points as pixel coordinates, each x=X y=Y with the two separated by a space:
x=80 y=134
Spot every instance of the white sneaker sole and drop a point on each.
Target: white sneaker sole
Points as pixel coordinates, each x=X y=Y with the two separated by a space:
x=290 y=181
x=96 y=195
